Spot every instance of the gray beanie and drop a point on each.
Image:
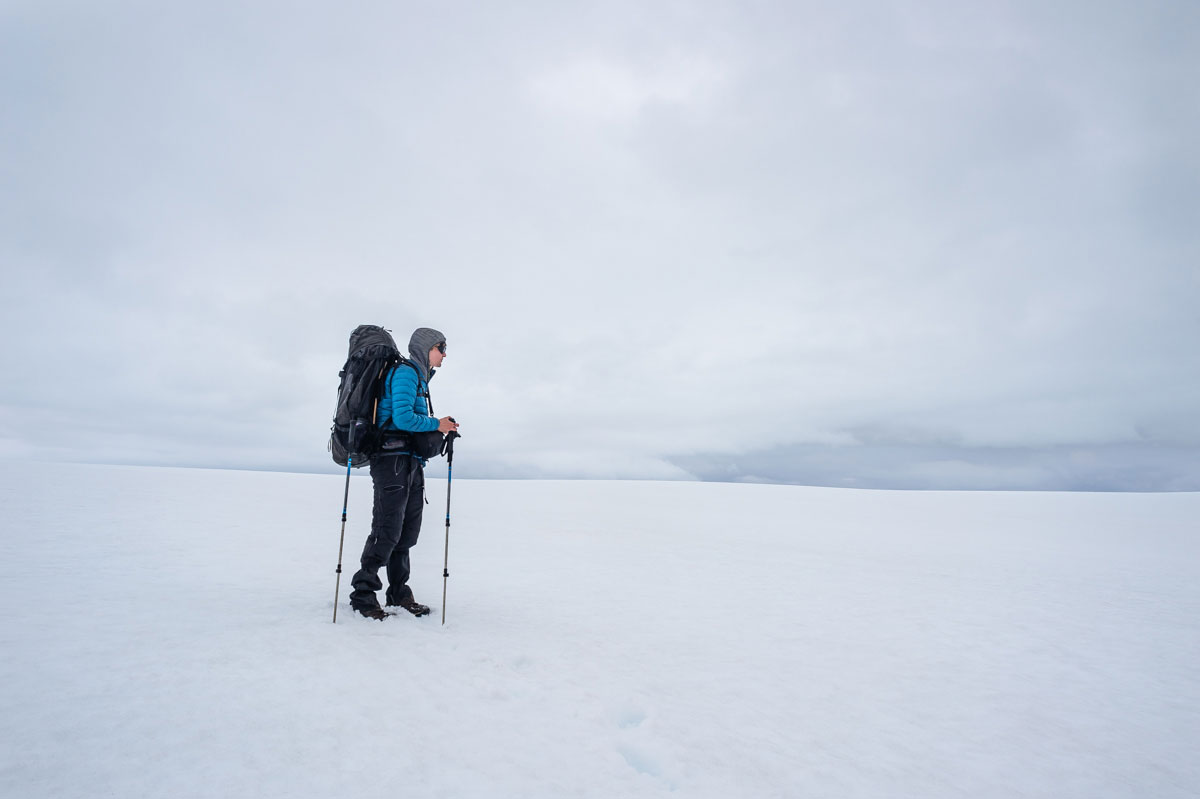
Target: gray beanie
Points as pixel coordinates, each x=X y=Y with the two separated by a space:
x=423 y=340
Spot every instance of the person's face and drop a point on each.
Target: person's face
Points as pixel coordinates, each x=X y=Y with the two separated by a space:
x=437 y=355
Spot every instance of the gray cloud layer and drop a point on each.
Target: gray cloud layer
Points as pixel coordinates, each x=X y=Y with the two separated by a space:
x=665 y=241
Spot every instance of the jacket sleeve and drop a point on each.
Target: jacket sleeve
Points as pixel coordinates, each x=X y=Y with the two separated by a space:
x=404 y=403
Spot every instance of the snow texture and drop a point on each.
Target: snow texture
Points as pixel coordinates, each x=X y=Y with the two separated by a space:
x=166 y=632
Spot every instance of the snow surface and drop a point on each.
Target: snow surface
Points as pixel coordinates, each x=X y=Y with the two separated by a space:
x=166 y=633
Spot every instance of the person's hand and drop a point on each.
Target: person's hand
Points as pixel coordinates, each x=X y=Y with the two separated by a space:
x=447 y=425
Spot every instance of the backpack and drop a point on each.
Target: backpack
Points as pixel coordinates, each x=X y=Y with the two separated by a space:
x=355 y=436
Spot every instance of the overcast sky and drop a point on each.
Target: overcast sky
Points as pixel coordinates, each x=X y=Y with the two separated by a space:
x=935 y=244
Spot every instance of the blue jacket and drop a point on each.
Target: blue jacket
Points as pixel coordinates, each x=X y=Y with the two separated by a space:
x=403 y=406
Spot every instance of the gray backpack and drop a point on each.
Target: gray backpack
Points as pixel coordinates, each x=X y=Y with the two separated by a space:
x=355 y=435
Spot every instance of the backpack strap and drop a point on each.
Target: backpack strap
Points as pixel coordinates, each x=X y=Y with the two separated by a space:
x=385 y=374
x=428 y=399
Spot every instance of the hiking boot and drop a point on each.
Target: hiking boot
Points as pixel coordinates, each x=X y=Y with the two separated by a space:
x=373 y=613
x=412 y=606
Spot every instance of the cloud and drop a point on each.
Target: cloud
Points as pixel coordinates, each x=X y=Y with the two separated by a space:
x=652 y=233
x=611 y=90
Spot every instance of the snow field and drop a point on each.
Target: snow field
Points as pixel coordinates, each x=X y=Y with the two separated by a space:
x=166 y=632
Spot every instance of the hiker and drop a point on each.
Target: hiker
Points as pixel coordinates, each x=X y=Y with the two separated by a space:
x=398 y=475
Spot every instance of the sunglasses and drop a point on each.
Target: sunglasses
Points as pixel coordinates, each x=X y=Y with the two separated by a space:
x=441 y=347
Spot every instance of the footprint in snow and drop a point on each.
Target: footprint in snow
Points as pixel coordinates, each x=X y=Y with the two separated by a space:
x=632 y=718
x=639 y=761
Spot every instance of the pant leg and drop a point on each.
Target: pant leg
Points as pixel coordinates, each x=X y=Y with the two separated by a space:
x=390 y=477
x=399 y=568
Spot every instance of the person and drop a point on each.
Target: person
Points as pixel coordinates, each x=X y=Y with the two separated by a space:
x=398 y=476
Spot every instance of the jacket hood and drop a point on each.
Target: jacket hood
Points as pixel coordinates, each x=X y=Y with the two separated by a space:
x=422 y=341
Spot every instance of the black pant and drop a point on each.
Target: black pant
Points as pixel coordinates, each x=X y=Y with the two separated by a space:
x=399 y=482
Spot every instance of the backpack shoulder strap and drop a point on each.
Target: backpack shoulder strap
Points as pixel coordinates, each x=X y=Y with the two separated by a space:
x=417 y=369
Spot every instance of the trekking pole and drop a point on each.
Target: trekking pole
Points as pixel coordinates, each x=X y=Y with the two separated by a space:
x=337 y=586
x=449 y=476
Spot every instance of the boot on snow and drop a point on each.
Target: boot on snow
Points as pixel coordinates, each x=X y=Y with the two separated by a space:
x=402 y=597
x=412 y=606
